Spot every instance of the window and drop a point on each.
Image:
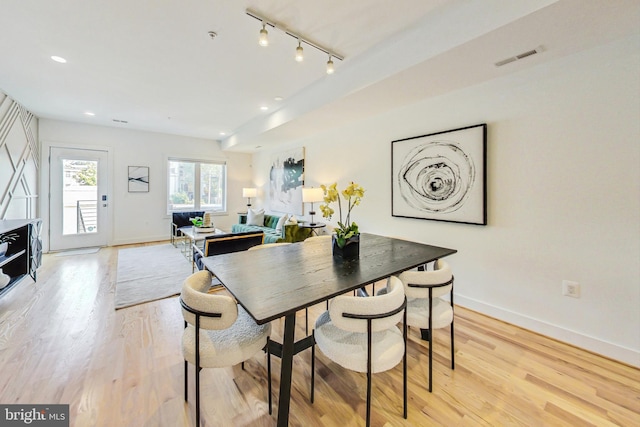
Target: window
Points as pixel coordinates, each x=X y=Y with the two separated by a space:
x=196 y=185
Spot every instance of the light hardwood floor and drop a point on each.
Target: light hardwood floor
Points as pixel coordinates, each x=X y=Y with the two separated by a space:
x=61 y=341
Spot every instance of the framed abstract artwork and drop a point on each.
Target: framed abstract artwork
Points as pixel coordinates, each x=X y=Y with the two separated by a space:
x=441 y=176
x=138 y=179
x=286 y=179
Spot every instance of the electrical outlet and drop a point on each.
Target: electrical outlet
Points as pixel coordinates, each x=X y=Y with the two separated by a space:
x=571 y=289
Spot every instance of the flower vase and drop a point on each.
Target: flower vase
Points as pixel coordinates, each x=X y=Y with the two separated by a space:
x=350 y=251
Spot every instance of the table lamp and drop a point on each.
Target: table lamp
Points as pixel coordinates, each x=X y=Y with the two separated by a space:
x=249 y=193
x=312 y=195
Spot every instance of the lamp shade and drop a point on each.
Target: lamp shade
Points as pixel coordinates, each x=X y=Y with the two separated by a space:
x=249 y=192
x=311 y=195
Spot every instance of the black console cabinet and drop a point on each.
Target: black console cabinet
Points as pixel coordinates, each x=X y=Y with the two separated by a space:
x=24 y=254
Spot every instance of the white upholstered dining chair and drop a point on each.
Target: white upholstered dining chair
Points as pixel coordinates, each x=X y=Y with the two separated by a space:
x=268 y=245
x=218 y=332
x=322 y=237
x=426 y=309
x=360 y=334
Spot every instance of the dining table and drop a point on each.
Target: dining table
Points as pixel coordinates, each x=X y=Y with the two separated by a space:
x=278 y=282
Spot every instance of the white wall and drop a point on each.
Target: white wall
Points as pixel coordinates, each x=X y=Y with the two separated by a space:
x=142 y=217
x=563 y=183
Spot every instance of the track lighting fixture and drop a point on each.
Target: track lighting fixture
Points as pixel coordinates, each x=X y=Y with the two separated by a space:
x=299 y=52
x=263 y=41
x=330 y=68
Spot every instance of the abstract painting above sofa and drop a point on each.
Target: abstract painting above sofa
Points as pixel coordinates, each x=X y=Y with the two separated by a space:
x=286 y=178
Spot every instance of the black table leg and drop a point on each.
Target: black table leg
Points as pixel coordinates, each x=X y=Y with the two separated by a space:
x=286 y=370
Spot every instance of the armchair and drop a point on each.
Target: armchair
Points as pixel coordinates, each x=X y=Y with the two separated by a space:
x=181 y=219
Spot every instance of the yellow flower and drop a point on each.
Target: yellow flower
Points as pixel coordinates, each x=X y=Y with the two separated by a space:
x=330 y=193
x=327 y=212
x=352 y=194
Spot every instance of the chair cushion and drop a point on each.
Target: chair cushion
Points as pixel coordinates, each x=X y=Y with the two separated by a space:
x=349 y=349
x=418 y=313
x=226 y=347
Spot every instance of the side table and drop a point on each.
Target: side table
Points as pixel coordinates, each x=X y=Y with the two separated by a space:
x=313 y=226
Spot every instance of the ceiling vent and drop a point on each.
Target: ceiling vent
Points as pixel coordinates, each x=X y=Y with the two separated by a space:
x=519 y=56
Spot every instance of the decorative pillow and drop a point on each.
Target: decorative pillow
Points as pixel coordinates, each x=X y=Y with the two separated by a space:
x=292 y=220
x=283 y=219
x=255 y=217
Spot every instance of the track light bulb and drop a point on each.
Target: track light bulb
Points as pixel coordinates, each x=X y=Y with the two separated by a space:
x=299 y=53
x=330 y=69
x=263 y=41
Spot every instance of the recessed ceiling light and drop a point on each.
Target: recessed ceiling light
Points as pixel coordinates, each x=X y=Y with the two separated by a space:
x=278 y=98
x=223 y=133
x=59 y=59
x=89 y=113
x=264 y=108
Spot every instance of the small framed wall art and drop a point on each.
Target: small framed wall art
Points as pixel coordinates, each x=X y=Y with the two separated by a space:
x=138 y=179
x=441 y=176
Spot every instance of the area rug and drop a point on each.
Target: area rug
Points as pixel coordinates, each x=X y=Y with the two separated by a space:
x=149 y=273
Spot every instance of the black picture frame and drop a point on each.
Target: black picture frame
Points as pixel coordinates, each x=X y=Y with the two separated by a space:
x=138 y=179
x=441 y=176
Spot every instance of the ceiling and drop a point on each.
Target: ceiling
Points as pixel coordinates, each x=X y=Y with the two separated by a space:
x=153 y=65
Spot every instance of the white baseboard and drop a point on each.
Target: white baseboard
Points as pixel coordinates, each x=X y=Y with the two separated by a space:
x=146 y=239
x=595 y=345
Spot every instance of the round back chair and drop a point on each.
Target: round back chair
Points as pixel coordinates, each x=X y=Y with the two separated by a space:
x=218 y=332
x=426 y=309
x=360 y=334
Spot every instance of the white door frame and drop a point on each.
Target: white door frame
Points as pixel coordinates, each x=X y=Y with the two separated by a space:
x=44 y=201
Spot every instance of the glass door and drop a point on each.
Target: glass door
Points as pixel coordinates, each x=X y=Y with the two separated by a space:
x=78 y=198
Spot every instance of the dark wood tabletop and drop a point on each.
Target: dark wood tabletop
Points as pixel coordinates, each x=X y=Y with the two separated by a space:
x=278 y=281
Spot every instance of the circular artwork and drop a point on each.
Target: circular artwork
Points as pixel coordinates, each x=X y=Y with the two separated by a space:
x=436 y=177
